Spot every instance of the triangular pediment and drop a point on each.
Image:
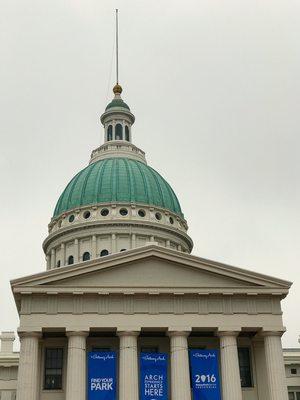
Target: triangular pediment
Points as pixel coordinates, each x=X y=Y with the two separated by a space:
x=151 y=268
x=152 y=272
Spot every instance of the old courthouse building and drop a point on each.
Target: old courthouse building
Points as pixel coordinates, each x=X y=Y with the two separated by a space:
x=120 y=276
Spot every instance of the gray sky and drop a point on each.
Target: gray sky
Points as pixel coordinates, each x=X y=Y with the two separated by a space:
x=215 y=88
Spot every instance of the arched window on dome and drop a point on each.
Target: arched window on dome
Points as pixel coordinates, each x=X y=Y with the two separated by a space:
x=119 y=132
x=127 y=133
x=86 y=256
x=104 y=253
x=70 y=260
x=109 y=133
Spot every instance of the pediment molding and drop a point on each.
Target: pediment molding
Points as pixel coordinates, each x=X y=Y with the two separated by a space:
x=243 y=281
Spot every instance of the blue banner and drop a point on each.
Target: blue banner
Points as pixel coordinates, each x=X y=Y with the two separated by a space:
x=154 y=376
x=101 y=375
x=205 y=374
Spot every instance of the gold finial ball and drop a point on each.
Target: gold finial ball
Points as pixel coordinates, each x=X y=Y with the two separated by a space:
x=117 y=89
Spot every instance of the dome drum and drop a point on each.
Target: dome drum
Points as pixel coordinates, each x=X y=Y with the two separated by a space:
x=70 y=245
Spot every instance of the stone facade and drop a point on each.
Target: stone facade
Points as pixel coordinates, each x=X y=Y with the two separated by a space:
x=152 y=298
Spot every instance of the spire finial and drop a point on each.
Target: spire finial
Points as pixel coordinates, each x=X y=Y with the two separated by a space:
x=117 y=88
x=117 y=46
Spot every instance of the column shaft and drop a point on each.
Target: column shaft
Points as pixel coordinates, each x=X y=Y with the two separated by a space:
x=28 y=383
x=128 y=368
x=63 y=254
x=76 y=367
x=94 y=247
x=231 y=381
x=275 y=366
x=76 y=251
x=180 y=375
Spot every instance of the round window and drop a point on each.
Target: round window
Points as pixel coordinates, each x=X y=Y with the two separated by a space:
x=171 y=219
x=86 y=214
x=158 y=216
x=142 y=213
x=123 y=250
x=104 y=253
x=104 y=212
x=123 y=212
x=71 y=218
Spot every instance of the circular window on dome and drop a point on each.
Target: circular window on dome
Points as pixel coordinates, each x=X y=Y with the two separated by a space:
x=104 y=212
x=123 y=212
x=171 y=219
x=142 y=213
x=86 y=214
x=123 y=250
x=158 y=216
x=71 y=218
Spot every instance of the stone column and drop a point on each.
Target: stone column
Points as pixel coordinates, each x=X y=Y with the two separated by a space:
x=94 y=247
x=76 y=251
x=113 y=243
x=180 y=375
x=231 y=380
x=275 y=366
x=28 y=382
x=63 y=254
x=76 y=366
x=52 y=258
x=128 y=367
x=133 y=241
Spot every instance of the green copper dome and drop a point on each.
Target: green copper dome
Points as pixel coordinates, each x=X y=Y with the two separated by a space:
x=117 y=103
x=117 y=180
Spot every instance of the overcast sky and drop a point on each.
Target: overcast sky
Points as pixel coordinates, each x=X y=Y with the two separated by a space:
x=215 y=88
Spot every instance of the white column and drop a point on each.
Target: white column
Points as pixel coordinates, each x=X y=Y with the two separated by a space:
x=128 y=367
x=133 y=241
x=63 y=254
x=113 y=243
x=76 y=251
x=275 y=366
x=231 y=381
x=94 y=247
x=76 y=366
x=52 y=258
x=28 y=382
x=180 y=375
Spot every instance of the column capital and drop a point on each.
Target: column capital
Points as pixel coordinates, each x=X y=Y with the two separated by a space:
x=227 y=333
x=271 y=333
x=77 y=333
x=33 y=334
x=122 y=332
x=181 y=333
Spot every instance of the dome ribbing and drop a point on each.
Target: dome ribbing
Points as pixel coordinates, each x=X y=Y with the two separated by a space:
x=117 y=180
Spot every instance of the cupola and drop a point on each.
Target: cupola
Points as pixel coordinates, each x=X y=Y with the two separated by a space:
x=117 y=118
